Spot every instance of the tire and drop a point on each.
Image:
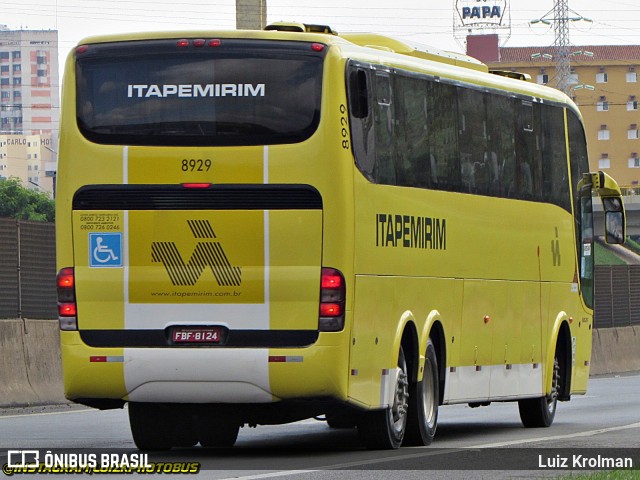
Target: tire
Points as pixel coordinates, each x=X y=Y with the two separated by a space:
x=384 y=429
x=218 y=431
x=424 y=397
x=540 y=412
x=341 y=420
x=148 y=428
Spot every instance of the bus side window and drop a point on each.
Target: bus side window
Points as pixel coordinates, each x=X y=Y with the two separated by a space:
x=412 y=146
x=358 y=95
x=555 y=183
x=383 y=118
x=526 y=153
x=361 y=121
x=442 y=136
x=472 y=141
x=500 y=143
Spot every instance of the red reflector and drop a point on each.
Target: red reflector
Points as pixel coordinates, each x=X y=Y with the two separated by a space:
x=330 y=309
x=97 y=359
x=65 y=278
x=82 y=48
x=67 y=309
x=182 y=43
x=330 y=278
x=317 y=47
x=277 y=359
x=199 y=42
x=215 y=42
x=196 y=185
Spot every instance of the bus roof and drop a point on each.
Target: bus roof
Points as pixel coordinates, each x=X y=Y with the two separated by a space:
x=425 y=52
x=388 y=50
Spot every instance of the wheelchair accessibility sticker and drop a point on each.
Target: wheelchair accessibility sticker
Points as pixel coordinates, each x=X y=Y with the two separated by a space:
x=105 y=250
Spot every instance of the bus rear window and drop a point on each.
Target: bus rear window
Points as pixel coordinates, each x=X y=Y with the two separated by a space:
x=238 y=93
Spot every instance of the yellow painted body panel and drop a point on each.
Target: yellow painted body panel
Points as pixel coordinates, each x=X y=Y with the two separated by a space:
x=84 y=379
x=384 y=305
x=322 y=373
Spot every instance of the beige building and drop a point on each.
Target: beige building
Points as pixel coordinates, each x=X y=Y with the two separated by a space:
x=605 y=86
x=29 y=158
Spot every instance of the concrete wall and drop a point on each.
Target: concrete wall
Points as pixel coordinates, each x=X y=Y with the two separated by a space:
x=31 y=373
x=615 y=350
x=30 y=366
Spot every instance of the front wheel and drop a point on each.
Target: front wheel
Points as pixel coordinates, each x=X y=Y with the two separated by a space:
x=384 y=429
x=424 y=397
x=540 y=412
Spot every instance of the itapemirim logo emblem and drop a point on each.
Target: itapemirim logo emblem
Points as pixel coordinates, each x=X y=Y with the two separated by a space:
x=207 y=253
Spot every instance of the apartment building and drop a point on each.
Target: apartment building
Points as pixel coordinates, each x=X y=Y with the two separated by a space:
x=29 y=105
x=29 y=81
x=603 y=83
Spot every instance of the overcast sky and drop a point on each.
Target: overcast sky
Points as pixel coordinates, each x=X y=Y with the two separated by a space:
x=615 y=22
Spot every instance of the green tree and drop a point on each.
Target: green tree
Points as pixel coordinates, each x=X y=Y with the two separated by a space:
x=19 y=202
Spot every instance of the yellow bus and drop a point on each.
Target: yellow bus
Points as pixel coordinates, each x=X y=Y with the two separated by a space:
x=260 y=227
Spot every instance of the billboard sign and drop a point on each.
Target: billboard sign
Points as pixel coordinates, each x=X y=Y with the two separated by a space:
x=481 y=12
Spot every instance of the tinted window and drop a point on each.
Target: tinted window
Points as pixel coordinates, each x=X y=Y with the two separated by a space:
x=239 y=93
x=584 y=208
x=424 y=132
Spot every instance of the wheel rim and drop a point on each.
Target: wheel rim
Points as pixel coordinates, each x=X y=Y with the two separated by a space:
x=428 y=395
x=552 y=399
x=400 y=402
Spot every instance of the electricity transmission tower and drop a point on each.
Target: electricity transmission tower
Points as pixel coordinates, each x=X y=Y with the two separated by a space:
x=559 y=17
x=561 y=46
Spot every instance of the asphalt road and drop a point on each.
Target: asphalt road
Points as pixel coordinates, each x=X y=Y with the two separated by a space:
x=487 y=442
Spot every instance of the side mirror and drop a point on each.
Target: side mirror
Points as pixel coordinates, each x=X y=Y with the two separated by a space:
x=614 y=226
x=609 y=191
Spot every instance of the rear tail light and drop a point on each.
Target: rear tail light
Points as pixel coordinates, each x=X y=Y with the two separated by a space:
x=332 y=300
x=67 y=308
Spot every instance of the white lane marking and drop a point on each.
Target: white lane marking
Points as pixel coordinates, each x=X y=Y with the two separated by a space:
x=426 y=453
x=588 y=433
x=47 y=413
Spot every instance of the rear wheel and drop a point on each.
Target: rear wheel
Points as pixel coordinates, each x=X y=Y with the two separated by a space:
x=384 y=429
x=540 y=412
x=216 y=430
x=341 y=420
x=147 y=426
x=423 y=403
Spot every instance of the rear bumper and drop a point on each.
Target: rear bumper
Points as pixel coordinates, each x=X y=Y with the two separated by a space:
x=205 y=375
